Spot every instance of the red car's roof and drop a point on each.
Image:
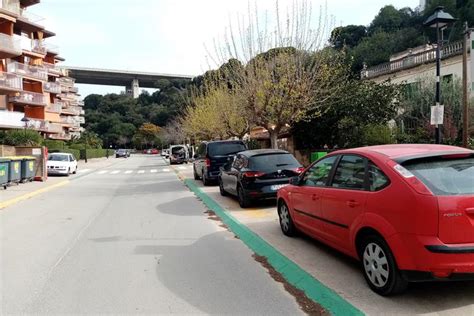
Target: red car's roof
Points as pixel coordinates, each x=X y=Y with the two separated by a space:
x=404 y=150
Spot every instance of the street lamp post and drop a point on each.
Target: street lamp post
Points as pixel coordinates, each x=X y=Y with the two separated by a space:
x=439 y=20
x=25 y=120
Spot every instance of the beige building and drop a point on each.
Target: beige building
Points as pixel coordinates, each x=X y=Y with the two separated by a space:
x=420 y=62
x=32 y=87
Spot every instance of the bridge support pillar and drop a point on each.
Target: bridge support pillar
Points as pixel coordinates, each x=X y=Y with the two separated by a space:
x=133 y=89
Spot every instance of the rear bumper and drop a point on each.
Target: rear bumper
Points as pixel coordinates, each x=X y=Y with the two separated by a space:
x=263 y=192
x=422 y=276
x=431 y=255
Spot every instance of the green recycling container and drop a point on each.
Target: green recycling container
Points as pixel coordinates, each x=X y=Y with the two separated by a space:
x=14 y=174
x=4 y=171
x=317 y=155
x=28 y=168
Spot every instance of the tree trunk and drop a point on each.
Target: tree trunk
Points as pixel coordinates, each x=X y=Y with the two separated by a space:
x=273 y=139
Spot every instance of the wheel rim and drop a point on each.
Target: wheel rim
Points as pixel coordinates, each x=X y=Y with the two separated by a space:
x=376 y=265
x=284 y=217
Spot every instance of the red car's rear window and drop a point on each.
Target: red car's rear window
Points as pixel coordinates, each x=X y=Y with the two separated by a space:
x=445 y=175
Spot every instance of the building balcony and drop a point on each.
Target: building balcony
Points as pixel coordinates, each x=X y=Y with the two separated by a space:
x=80 y=103
x=74 y=89
x=70 y=110
x=67 y=120
x=52 y=70
x=67 y=96
x=81 y=119
x=54 y=108
x=10 y=83
x=28 y=71
x=410 y=60
x=52 y=87
x=29 y=98
x=60 y=136
x=11 y=119
x=82 y=112
x=38 y=46
x=9 y=46
x=11 y=6
x=66 y=82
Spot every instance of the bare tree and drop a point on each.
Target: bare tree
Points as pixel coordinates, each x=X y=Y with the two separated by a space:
x=287 y=74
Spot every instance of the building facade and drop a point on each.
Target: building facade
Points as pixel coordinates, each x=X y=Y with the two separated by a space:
x=34 y=92
x=415 y=64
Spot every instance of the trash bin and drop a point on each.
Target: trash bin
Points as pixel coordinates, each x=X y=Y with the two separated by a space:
x=4 y=171
x=28 y=168
x=14 y=174
x=317 y=155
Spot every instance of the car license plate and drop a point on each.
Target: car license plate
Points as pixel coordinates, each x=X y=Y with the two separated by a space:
x=277 y=187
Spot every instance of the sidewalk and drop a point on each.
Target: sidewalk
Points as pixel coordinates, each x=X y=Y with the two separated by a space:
x=16 y=193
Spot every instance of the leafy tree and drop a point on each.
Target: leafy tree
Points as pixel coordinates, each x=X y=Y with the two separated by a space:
x=349 y=119
x=347 y=36
x=148 y=134
x=387 y=20
x=415 y=108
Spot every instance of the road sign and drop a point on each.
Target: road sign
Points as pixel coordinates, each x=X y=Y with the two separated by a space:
x=437 y=114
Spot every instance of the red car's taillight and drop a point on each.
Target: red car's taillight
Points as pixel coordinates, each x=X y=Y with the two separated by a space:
x=253 y=174
x=208 y=162
x=299 y=170
x=413 y=181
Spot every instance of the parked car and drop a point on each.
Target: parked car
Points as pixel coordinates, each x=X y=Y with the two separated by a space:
x=61 y=164
x=405 y=211
x=178 y=154
x=210 y=156
x=122 y=153
x=257 y=174
x=154 y=151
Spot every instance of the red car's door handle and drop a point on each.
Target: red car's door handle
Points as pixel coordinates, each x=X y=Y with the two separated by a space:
x=352 y=203
x=470 y=211
x=315 y=197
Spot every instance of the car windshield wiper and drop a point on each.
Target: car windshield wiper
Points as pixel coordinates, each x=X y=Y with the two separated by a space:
x=282 y=164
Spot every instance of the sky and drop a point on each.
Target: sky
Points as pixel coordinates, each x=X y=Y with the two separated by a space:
x=166 y=36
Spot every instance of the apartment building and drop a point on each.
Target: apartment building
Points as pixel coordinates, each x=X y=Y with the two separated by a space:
x=34 y=92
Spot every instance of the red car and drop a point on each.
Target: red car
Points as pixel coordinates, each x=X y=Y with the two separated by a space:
x=405 y=211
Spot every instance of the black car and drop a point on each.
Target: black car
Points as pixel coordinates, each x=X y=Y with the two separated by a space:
x=210 y=156
x=258 y=174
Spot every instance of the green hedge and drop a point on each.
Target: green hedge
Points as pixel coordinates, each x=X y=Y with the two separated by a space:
x=94 y=153
x=76 y=153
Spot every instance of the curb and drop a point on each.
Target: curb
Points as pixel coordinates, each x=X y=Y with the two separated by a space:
x=31 y=194
x=293 y=273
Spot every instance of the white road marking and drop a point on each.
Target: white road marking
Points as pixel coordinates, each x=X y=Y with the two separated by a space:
x=83 y=170
x=128 y=171
x=182 y=168
x=102 y=172
x=141 y=171
x=153 y=170
x=115 y=172
x=166 y=170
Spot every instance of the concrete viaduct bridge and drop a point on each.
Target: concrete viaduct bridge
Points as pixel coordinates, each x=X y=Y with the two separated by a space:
x=131 y=80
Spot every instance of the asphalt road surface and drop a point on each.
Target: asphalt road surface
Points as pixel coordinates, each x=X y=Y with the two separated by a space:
x=128 y=239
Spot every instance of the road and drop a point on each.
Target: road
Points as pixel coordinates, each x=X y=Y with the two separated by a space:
x=126 y=239
x=341 y=273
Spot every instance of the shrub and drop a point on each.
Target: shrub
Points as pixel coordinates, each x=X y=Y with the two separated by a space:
x=93 y=153
x=377 y=134
x=18 y=137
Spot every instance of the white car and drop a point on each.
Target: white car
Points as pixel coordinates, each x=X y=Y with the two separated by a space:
x=61 y=164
